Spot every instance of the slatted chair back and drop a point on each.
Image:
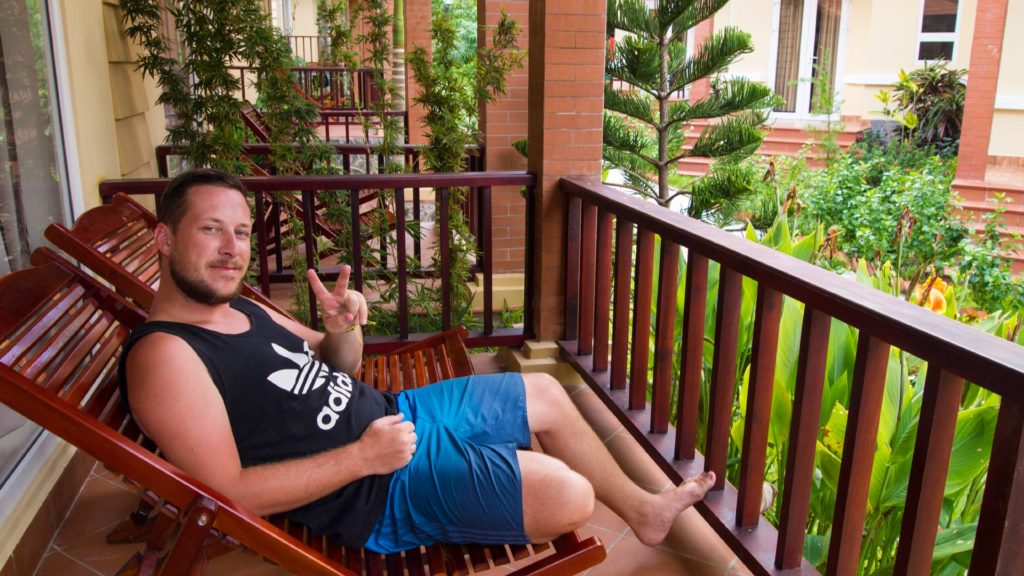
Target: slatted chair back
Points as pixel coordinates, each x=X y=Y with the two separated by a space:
x=116 y=242
x=60 y=335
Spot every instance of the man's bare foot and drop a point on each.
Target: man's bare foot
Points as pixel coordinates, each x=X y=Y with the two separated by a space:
x=652 y=525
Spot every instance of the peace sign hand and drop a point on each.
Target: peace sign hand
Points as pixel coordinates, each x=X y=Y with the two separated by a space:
x=342 y=308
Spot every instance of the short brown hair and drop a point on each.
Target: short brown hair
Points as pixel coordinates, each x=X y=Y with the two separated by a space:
x=173 y=203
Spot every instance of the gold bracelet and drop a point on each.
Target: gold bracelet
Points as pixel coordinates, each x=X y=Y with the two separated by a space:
x=350 y=328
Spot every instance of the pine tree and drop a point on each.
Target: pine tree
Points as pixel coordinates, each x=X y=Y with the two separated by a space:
x=645 y=124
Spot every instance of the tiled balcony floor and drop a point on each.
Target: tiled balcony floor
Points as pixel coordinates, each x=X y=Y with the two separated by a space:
x=79 y=548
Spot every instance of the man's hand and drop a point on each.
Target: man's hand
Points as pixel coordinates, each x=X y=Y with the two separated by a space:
x=342 y=308
x=389 y=444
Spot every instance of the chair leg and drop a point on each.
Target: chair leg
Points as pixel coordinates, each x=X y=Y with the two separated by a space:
x=137 y=526
x=187 y=555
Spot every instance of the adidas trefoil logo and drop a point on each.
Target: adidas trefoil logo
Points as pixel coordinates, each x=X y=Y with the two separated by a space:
x=310 y=375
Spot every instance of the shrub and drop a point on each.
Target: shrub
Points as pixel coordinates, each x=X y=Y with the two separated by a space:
x=889 y=203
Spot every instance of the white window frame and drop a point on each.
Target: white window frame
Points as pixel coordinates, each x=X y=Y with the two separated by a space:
x=938 y=36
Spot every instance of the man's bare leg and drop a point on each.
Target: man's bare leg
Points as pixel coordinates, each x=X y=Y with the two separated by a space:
x=565 y=435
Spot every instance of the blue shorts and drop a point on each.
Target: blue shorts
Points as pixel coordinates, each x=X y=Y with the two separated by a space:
x=463 y=483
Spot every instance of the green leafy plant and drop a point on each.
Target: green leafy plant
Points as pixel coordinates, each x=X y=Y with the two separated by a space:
x=450 y=100
x=333 y=22
x=929 y=104
x=193 y=73
x=645 y=127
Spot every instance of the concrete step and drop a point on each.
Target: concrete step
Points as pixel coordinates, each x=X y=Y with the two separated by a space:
x=1013 y=214
x=982 y=191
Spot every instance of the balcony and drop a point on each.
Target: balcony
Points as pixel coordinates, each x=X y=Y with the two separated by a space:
x=658 y=376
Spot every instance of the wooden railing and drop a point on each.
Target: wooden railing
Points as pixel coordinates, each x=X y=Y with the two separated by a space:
x=308 y=47
x=604 y=222
x=397 y=188
x=328 y=87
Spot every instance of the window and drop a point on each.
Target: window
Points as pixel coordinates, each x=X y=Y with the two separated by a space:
x=32 y=177
x=937 y=40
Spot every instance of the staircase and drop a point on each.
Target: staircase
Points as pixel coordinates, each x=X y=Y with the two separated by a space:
x=978 y=198
x=782 y=138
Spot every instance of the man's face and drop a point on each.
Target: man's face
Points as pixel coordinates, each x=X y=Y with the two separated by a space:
x=208 y=254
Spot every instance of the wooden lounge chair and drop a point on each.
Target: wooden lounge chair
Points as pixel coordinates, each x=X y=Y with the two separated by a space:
x=60 y=335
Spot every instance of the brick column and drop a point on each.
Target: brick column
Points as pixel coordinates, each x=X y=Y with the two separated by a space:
x=502 y=123
x=417 y=33
x=566 y=78
x=986 y=52
x=701 y=88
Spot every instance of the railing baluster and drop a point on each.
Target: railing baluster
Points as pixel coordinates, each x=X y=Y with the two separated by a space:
x=928 y=471
x=602 y=305
x=357 y=241
x=308 y=222
x=859 y=444
x=759 y=405
x=446 y=256
x=803 y=437
x=487 y=245
x=692 y=355
x=403 y=277
x=1002 y=506
x=620 y=324
x=643 y=288
x=723 y=372
x=528 y=288
x=664 y=336
x=588 y=264
x=261 y=242
x=572 y=268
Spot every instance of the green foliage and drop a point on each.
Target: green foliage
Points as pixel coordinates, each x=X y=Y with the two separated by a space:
x=450 y=99
x=198 y=86
x=333 y=22
x=929 y=104
x=984 y=268
x=645 y=129
x=889 y=203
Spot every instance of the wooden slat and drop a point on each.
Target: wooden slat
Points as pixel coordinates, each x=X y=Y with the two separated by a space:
x=572 y=268
x=723 y=372
x=308 y=214
x=642 y=290
x=486 y=235
x=588 y=272
x=928 y=471
x=692 y=356
x=664 y=337
x=759 y=406
x=997 y=548
x=803 y=437
x=620 y=329
x=603 y=295
x=401 y=264
x=859 y=444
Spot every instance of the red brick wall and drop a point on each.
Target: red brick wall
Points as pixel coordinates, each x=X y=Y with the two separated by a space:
x=417 y=33
x=566 y=79
x=502 y=123
x=701 y=88
x=986 y=52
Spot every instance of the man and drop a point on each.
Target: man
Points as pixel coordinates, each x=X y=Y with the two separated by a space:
x=262 y=409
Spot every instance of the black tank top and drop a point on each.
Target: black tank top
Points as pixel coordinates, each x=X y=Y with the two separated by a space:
x=282 y=404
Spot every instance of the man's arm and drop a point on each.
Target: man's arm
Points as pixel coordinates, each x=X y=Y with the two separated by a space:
x=182 y=411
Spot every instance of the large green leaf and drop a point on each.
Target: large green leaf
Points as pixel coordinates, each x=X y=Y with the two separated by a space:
x=972 y=446
x=828 y=464
x=954 y=541
x=807 y=247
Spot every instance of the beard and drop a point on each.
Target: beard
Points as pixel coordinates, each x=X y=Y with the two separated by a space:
x=197 y=289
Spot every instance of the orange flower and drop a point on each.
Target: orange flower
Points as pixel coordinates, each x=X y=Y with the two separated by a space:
x=936 y=298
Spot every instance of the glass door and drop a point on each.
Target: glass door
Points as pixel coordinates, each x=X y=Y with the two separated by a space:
x=807 y=46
